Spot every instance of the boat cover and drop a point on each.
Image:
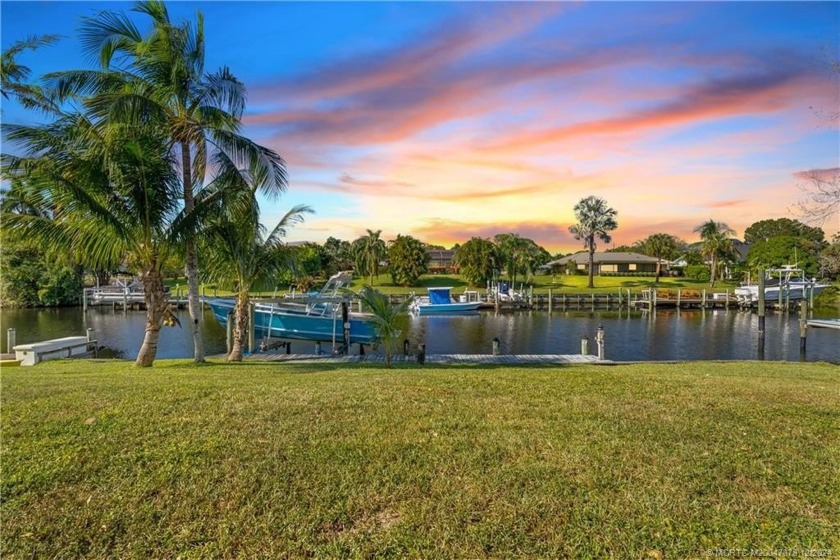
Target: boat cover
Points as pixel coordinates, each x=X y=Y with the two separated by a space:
x=438 y=296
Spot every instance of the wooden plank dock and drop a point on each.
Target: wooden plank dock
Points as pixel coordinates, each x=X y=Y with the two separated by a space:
x=432 y=359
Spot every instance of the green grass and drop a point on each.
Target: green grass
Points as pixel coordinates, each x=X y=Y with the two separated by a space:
x=559 y=284
x=312 y=460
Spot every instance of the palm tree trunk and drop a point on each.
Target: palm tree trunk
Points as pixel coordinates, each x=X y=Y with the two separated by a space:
x=240 y=328
x=191 y=269
x=156 y=304
x=591 y=263
x=712 y=275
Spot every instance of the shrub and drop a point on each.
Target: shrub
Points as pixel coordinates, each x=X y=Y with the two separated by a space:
x=699 y=272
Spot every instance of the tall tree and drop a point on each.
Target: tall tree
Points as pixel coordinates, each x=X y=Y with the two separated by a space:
x=14 y=75
x=478 y=260
x=339 y=254
x=239 y=250
x=112 y=193
x=716 y=244
x=369 y=251
x=407 y=260
x=160 y=78
x=595 y=219
x=661 y=246
x=765 y=229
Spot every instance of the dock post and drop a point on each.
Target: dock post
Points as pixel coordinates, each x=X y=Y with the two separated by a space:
x=619 y=298
x=345 y=321
x=550 y=300
x=803 y=327
x=761 y=313
x=421 y=354
x=405 y=347
x=704 y=299
x=584 y=345
x=318 y=347
x=84 y=300
x=288 y=347
x=251 y=329
x=125 y=300
x=599 y=338
x=11 y=341
x=90 y=334
x=679 y=298
x=496 y=346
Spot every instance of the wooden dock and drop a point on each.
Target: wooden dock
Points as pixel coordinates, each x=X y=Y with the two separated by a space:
x=432 y=359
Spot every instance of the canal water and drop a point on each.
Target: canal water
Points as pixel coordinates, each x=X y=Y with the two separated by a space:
x=712 y=334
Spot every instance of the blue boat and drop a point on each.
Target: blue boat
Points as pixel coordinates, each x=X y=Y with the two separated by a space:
x=319 y=319
x=439 y=300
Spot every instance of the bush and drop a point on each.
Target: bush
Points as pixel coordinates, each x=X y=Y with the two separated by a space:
x=698 y=272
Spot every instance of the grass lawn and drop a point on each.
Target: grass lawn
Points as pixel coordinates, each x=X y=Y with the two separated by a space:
x=104 y=460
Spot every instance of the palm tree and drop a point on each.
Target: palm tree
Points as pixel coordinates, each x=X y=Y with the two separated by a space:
x=715 y=244
x=594 y=219
x=660 y=245
x=386 y=318
x=160 y=78
x=239 y=251
x=13 y=75
x=109 y=191
x=369 y=252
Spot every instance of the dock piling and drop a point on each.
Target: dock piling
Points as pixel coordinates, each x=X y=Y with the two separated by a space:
x=405 y=347
x=599 y=339
x=584 y=345
x=421 y=354
x=496 y=346
x=11 y=342
x=803 y=328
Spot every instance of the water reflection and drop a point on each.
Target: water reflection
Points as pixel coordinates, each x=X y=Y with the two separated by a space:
x=630 y=335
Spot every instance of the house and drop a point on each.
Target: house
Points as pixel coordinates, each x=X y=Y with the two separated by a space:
x=610 y=263
x=442 y=261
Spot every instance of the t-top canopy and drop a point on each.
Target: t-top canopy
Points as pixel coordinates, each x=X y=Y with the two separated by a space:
x=438 y=296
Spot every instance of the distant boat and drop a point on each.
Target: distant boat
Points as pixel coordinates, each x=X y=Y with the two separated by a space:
x=440 y=300
x=788 y=283
x=824 y=323
x=319 y=319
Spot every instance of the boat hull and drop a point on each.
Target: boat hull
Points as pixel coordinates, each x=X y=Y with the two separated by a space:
x=298 y=323
x=794 y=293
x=460 y=307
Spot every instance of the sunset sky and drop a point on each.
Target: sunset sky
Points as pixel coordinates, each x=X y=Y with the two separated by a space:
x=451 y=120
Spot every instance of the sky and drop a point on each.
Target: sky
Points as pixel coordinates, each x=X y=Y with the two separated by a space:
x=446 y=121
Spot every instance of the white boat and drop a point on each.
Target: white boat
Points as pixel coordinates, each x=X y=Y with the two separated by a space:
x=788 y=283
x=824 y=323
x=504 y=293
x=122 y=290
x=440 y=300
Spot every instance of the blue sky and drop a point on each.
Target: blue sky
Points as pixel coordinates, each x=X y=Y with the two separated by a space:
x=451 y=120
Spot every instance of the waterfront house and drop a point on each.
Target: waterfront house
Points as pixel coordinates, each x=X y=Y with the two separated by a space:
x=609 y=263
x=442 y=261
